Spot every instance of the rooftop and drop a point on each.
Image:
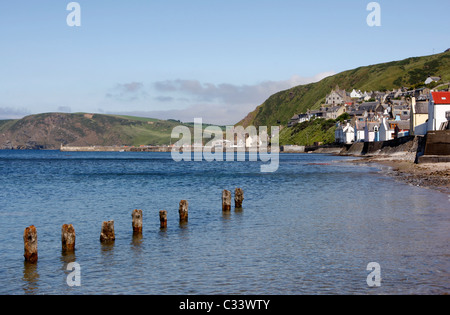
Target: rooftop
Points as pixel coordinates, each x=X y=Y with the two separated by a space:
x=441 y=97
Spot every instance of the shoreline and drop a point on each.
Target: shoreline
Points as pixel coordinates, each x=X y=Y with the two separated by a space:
x=434 y=176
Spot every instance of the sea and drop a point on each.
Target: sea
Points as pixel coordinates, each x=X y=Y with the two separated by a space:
x=321 y=225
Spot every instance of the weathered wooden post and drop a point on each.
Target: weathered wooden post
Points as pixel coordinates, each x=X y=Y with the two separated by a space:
x=30 y=242
x=163 y=218
x=183 y=211
x=68 y=238
x=226 y=200
x=137 y=221
x=238 y=198
x=108 y=234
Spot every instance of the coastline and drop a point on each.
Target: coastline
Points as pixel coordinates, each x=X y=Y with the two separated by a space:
x=427 y=175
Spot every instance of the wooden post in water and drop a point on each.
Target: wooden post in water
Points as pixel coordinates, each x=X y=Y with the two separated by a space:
x=68 y=238
x=137 y=221
x=226 y=201
x=108 y=234
x=183 y=211
x=30 y=242
x=238 y=198
x=163 y=218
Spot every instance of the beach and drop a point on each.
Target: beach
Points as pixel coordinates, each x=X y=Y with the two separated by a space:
x=429 y=175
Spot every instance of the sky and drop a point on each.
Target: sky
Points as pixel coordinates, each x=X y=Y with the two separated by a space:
x=211 y=59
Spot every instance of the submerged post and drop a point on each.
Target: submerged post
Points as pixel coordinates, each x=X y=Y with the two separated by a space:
x=30 y=244
x=238 y=198
x=183 y=211
x=137 y=221
x=226 y=201
x=68 y=238
x=163 y=218
x=107 y=234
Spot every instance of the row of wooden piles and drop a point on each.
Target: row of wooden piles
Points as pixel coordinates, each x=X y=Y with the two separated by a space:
x=107 y=234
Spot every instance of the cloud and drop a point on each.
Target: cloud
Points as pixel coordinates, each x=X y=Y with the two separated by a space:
x=164 y=99
x=223 y=104
x=127 y=92
x=230 y=93
x=13 y=113
x=210 y=113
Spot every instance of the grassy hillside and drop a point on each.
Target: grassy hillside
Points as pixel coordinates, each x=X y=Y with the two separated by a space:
x=50 y=130
x=411 y=72
x=309 y=132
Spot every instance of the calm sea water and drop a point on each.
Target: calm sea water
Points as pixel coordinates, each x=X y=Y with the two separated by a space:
x=306 y=229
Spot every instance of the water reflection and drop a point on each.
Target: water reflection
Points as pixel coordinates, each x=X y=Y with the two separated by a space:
x=184 y=231
x=136 y=241
x=107 y=253
x=30 y=278
x=183 y=225
x=67 y=257
x=226 y=216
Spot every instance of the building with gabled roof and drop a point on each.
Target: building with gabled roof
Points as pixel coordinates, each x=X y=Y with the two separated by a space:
x=419 y=117
x=337 y=97
x=344 y=133
x=438 y=111
x=432 y=79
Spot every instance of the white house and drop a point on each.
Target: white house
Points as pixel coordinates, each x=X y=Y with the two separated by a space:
x=438 y=108
x=344 y=134
x=355 y=94
x=385 y=131
x=432 y=79
x=359 y=131
x=371 y=131
x=298 y=119
x=366 y=96
x=252 y=142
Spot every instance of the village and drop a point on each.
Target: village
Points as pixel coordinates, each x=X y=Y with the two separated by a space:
x=382 y=116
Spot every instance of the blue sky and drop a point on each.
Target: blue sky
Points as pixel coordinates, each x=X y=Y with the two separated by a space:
x=182 y=59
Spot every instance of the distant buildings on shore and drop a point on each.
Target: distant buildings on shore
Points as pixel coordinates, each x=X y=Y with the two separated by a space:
x=381 y=116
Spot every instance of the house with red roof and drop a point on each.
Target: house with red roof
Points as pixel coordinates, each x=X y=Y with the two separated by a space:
x=439 y=111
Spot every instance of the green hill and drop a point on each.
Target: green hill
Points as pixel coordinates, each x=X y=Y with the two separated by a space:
x=411 y=72
x=50 y=130
x=309 y=132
